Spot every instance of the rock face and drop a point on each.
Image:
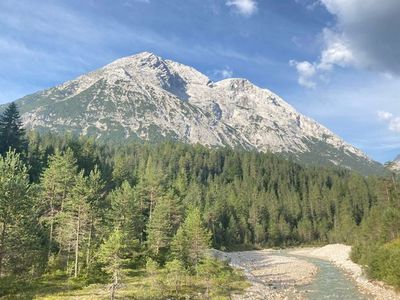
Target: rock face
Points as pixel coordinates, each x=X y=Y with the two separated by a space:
x=145 y=97
x=394 y=166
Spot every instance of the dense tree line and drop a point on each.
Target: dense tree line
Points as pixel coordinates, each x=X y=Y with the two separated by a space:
x=377 y=244
x=69 y=204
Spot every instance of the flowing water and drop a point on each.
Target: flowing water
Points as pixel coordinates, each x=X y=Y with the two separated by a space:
x=331 y=283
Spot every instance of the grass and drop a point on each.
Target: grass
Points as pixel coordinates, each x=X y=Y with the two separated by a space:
x=136 y=284
x=13 y=288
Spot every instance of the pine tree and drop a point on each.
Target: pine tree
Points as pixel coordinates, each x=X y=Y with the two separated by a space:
x=166 y=218
x=153 y=271
x=151 y=186
x=123 y=169
x=12 y=133
x=127 y=212
x=17 y=216
x=192 y=239
x=159 y=230
x=95 y=186
x=176 y=273
x=77 y=219
x=209 y=269
x=111 y=255
x=77 y=210
x=56 y=183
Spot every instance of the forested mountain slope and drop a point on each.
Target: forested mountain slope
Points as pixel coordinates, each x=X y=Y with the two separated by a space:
x=88 y=211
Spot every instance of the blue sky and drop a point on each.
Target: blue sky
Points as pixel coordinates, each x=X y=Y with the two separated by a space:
x=316 y=54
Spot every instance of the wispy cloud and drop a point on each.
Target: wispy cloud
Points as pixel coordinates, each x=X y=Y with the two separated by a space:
x=244 y=7
x=222 y=73
x=392 y=120
x=130 y=3
x=46 y=43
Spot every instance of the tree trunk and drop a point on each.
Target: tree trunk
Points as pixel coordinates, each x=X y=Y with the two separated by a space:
x=51 y=228
x=2 y=247
x=78 y=228
x=89 y=245
x=68 y=254
x=151 y=203
x=112 y=292
x=114 y=285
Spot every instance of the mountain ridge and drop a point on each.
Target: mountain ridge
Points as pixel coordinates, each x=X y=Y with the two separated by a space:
x=394 y=166
x=146 y=97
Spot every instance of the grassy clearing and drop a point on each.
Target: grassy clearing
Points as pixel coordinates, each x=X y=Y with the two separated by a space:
x=13 y=288
x=136 y=284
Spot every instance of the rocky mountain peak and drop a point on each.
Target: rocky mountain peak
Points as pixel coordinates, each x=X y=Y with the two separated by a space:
x=147 y=97
x=394 y=165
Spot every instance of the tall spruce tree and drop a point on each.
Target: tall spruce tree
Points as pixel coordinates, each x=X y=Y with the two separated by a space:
x=126 y=212
x=111 y=255
x=164 y=223
x=12 y=133
x=19 y=233
x=56 y=183
x=192 y=239
x=76 y=217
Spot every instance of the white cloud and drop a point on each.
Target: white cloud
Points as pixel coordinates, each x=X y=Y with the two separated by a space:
x=365 y=35
x=306 y=72
x=223 y=73
x=392 y=120
x=384 y=115
x=370 y=30
x=244 y=7
x=335 y=53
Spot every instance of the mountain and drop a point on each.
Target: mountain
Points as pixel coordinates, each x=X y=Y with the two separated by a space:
x=394 y=165
x=145 y=97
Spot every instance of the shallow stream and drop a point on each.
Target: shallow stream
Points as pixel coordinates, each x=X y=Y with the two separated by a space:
x=330 y=282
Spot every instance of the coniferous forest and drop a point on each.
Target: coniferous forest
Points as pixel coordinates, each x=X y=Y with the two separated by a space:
x=73 y=210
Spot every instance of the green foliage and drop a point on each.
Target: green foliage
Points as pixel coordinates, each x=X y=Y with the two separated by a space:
x=110 y=255
x=377 y=243
x=164 y=222
x=192 y=240
x=87 y=211
x=175 y=275
x=20 y=239
x=126 y=211
x=217 y=275
x=12 y=133
x=385 y=264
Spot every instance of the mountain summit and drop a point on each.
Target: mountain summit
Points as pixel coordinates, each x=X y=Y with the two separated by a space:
x=394 y=165
x=146 y=97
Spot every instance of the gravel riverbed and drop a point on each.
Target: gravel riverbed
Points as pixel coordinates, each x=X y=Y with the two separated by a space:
x=339 y=255
x=276 y=274
x=272 y=275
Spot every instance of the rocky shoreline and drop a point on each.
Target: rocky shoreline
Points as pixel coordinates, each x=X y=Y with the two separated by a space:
x=274 y=274
x=339 y=255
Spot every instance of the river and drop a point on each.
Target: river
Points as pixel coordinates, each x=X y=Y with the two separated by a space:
x=331 y=283
x=286 y=274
